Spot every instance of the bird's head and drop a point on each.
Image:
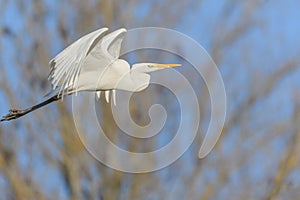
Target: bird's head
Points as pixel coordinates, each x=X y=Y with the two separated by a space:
x=139 y=78
x=151 y=67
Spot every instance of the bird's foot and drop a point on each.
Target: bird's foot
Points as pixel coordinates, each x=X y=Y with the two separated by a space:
x=13 y=114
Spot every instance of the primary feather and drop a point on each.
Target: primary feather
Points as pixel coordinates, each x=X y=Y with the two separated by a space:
x=81 y=56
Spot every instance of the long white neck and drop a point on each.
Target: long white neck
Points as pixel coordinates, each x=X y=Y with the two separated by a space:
x=133 y=81
x=140 y=80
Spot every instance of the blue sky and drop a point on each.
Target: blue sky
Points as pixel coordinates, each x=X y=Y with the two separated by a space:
x=259 y=52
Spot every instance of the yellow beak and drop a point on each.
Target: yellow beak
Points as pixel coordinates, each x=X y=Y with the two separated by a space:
x=167 y=65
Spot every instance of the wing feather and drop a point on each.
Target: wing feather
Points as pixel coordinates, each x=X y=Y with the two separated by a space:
x=111 y=44
x=66 y=66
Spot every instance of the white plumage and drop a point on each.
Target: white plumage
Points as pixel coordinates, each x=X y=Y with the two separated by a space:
x=92 y=64
x=76 y=67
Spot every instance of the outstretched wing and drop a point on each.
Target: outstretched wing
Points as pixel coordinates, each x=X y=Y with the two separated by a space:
x=66 y=66
x=111 y=43
x=107 y=51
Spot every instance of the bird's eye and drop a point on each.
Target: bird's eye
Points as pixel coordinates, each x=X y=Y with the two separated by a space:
x=150 y=66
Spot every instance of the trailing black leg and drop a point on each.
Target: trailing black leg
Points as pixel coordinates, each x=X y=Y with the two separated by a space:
x=14 y=113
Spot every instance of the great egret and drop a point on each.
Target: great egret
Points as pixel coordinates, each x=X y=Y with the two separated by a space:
x=91 y=64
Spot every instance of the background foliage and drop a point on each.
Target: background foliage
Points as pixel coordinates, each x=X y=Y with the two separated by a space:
x=256 y=47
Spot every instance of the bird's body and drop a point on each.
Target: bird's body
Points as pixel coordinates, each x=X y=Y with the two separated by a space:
x=90 y=80
x=92 y=64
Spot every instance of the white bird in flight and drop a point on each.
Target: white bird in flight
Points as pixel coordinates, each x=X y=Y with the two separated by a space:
x=92 y=64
